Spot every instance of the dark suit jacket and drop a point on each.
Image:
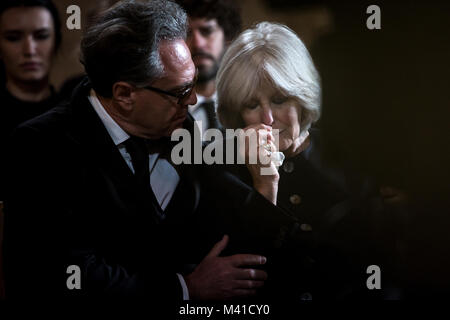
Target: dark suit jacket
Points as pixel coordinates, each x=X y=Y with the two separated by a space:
x=72 y=200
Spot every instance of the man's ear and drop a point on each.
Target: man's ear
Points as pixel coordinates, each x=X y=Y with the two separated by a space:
x=123 y=95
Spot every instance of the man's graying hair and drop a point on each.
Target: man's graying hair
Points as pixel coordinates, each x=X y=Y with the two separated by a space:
x=123 y=44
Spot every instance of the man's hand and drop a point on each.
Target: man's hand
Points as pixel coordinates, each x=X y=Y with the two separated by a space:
x=223 y=278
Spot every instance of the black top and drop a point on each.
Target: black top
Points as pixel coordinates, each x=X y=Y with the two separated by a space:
x=13 y=112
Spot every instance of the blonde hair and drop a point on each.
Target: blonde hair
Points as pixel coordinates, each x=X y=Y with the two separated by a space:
x=267 y=52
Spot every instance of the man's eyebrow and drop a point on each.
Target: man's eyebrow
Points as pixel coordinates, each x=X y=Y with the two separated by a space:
x=186 y=84
x=182 y=86
x=210 y=22
x=208 y=25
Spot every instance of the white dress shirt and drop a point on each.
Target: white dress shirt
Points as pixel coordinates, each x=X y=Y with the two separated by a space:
x=200 y=114
x=164 y=178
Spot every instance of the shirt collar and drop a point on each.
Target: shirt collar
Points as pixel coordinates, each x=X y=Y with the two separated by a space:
x=201 y=99
x=118 y=135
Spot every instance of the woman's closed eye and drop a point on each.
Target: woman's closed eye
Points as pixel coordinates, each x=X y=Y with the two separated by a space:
x=13 y=36
x=41 y=35
x=279 y=99
x=251 y=105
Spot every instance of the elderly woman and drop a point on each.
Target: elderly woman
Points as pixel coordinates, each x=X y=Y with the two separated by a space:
x=267 y=78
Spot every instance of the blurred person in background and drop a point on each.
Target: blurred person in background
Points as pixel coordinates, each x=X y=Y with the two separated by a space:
x=30 y=36
x=212 y=27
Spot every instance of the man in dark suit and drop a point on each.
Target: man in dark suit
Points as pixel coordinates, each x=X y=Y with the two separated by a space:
x=91 y=189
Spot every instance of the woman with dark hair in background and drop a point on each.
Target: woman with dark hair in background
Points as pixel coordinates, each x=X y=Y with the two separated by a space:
x=29 y=37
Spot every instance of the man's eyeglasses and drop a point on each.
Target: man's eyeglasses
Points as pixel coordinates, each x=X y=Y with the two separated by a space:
x=180 y=94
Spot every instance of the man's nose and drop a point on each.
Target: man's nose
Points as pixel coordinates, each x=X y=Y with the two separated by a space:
x=192 y=99
x=266 y=116
x=197 y=40
x=29 y=46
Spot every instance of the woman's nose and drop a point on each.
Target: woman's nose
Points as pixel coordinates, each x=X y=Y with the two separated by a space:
x=29 y=46
x=267 y=116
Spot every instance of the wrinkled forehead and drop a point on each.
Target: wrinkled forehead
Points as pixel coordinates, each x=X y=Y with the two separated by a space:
x=174 y=54
x=177 y=62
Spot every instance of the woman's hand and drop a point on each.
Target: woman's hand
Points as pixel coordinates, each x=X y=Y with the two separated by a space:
x=257 y=151
x=299 y=145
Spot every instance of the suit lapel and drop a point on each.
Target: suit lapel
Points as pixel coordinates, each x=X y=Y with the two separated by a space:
x=186 y=197
x=88 y=131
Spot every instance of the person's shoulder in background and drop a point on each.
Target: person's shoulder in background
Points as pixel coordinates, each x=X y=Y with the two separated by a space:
x=65 y=93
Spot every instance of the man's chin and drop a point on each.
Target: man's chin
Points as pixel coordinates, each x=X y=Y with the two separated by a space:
x=204 y=77
x=203 y=63
x=207 y=72
x=177 y=124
